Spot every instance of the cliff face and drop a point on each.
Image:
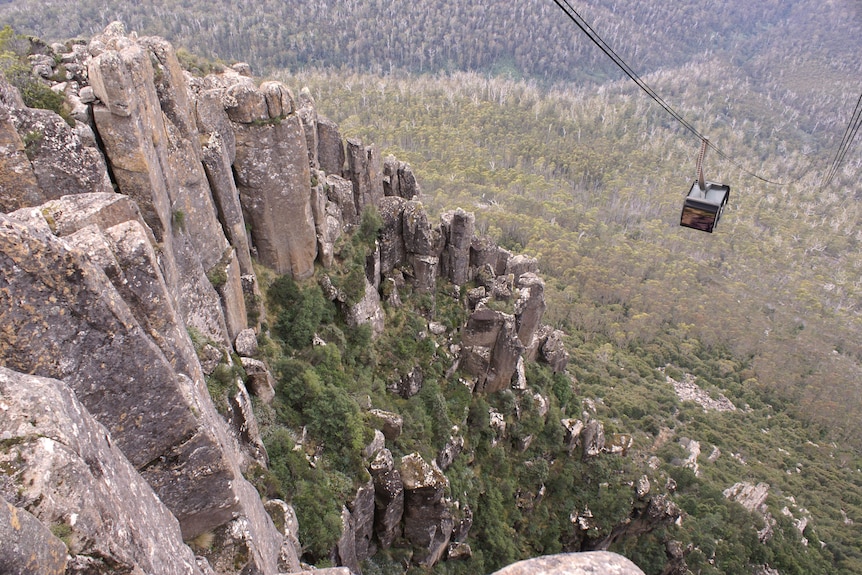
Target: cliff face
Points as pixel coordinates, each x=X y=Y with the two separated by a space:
x=127 y=236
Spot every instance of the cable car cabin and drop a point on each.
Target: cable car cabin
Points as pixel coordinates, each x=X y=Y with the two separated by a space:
x=703 y=207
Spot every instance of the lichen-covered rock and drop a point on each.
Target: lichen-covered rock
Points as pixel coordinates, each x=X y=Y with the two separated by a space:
x=483 y=251
x=554 y=351
x=340 y=193
x=573 y=429
x=217 y=160
x=260 y=381
x=428 y=519
x=363 y=169
x=388 y=498
x=408 y=385
x=162 y=420
x=520 y=264
x=225 y=276
x=529 y=310
x=65 y=469
x=391 y=238
x=357 y=519
x=330 y=147
x=18 y=185
x=420 y=238
x=368 y=311
x=151 y=141
x=274 y=183
x=603 y=562
x=284 y=517
x=308 y=114
x=245 y=343
x=491 y=349
x=61 y=161
x=398 y=179
x=457 y=229
x=328 y=216
x=593 y=438
x=446 y=457
x=390 y=423
x=27 y=547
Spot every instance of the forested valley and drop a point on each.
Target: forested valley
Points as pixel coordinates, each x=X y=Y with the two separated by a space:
x=503 y=109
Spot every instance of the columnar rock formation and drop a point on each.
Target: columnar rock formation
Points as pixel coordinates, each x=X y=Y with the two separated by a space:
x=126 y=275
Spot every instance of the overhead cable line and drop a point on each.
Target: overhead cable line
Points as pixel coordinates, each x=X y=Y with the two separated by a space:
x=846 y=144
x=579 y=21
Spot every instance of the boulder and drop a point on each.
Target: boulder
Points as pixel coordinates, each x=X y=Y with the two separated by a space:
x=390 y=423
x=260 y=381
x=520 y=264
x=408 y=385
x=61 y=161
x=593 y=438
x=368 y=311
x=453 y=448
x=246 y=343
x=554 y=351
x=574 y=564
x=573 y=428
x=284 y=517
x=18 y=185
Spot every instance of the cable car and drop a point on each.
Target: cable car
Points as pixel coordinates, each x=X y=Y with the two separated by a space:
x=705 y=201
x=703 y=206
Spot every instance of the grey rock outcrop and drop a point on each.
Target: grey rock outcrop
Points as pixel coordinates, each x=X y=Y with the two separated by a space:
x=357 y=519
x=388 y=422
x=593 y=438
x=274 y=179
x=18 y=185
x=363 y=169
x=69 y=474
x=62 y=163
x=27 y=547
x=529 y=310
x=603 y=562
x=165 y=423
x=428 y=521
x=260 y=381
x=388 y=498
x=398 y=179
x=144 y=119
x=491 y=349
x=458 y=228
x=330 y=147
x=391 y=236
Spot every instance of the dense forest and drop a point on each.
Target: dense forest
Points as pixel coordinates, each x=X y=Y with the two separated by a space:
x=503 y=108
